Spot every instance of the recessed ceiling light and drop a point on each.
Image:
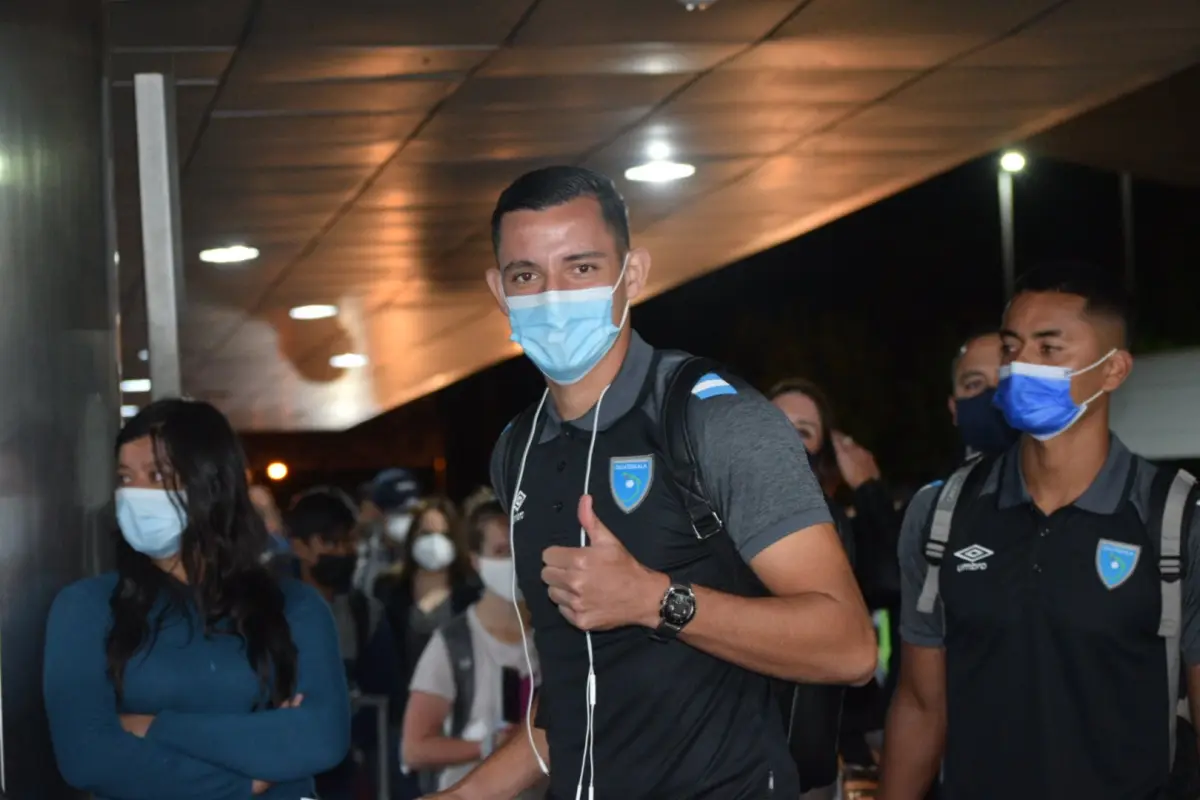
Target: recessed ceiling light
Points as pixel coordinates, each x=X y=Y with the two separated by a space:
x=129 y=411
x=658 y=151
x=135 y=385
x=235 y=254
x=143 y=355
x=317 y=311
x=348 y=360
x=659 y=172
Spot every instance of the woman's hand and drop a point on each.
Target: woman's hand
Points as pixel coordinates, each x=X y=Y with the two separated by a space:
x=137 y=724
x=259 y=787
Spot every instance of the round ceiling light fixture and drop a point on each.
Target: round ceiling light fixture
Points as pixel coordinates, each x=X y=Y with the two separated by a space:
x=316 y=311
x=234 y=254
x=659 y=172
x=348 y=361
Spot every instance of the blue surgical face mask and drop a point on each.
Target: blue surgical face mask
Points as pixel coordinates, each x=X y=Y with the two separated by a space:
x=566 y=333
x=982 y=426
x=1036 y=399
x=150 y=520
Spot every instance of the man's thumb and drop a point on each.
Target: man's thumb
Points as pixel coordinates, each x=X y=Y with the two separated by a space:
x=596 y=530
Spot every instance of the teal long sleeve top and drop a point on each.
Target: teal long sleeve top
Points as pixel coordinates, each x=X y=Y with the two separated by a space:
x=206 y=741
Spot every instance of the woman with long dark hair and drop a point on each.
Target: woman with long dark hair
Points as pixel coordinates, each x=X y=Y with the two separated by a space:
x=191 y=672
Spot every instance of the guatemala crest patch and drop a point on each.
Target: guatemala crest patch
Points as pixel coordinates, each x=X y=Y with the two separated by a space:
x=630 y=478
x=1115 y=562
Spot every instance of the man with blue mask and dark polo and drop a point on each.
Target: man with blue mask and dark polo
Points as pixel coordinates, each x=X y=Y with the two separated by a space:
x=670 y=542
x=1051 y=593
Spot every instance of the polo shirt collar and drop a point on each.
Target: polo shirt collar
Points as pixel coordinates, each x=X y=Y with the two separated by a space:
x=1104 y=496
x=620 y=398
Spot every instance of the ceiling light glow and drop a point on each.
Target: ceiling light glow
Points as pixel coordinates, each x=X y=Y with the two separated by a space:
x=277 y=470
x=1012 y=161
x=234 y=254
x=143 y=355
x=658 y=151
x=659 y=172
x=129 y=411
x=348 y=361
x=135 y=385
x=316 y=311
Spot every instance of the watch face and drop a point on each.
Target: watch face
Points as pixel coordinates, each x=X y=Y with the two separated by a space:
x=679 y=607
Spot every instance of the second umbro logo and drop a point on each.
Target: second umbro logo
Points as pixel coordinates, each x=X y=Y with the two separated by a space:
x=973 y=557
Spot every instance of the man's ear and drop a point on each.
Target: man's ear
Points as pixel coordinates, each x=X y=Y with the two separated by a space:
x=1117 y=370
x=637 y=272
x=952 y=404
x=495 y=282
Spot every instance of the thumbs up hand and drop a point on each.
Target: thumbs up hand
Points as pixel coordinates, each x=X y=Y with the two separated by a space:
x=602 y=586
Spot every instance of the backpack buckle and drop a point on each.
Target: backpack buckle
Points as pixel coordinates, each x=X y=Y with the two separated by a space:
x=708 y=525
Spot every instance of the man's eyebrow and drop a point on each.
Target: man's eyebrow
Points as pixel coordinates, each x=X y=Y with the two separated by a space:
x=585 y=255
x=970 y=374
x=520 y=263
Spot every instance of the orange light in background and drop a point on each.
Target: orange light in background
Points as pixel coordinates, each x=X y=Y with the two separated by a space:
x=277 y=470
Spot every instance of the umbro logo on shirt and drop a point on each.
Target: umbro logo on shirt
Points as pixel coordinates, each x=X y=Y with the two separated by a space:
x=974 y=558
x=518 y=501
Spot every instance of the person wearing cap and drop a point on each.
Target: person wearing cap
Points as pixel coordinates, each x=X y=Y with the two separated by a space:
x=385 y=518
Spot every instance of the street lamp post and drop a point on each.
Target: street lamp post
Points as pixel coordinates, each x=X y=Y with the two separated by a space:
x=1011 y=163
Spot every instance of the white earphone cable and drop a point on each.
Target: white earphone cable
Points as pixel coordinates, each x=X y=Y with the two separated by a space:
x=512 y=518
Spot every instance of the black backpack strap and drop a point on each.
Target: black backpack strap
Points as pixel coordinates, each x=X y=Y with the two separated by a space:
x=680 y=452
x=517 y=436
x=457 y=635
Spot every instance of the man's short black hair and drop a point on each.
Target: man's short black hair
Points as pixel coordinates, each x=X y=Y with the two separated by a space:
x=324 y=512
x=554 y=186
x=1102 y=293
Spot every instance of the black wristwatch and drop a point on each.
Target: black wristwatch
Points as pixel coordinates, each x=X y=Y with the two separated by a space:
x=677 y=609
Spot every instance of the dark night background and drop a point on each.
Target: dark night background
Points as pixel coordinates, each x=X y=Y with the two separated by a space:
x=872 y=307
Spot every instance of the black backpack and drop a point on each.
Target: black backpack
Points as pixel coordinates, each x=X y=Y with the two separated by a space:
x=811 y=713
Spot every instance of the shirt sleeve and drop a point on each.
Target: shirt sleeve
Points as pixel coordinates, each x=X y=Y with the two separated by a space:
x=94 y=753
x=496 y=467
x=754 y=465
x=1189 y=640
x=433 y=674
x=923 y=630
x=286 y=744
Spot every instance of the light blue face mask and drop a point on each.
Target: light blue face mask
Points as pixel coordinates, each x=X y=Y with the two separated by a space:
x=566 y=333
x=150 y=521
x=1036 y=399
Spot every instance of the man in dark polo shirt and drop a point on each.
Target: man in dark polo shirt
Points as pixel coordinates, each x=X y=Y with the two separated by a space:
x=1036 y=663
x=653 y=642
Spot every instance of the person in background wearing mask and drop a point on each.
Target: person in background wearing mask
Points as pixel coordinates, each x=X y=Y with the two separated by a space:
x=321 y=526
x=870 y=539
x=1038 y=599
x=975 y=374
x=385 y=519
x=191 y=670
x=431 y=584
x=491 y=634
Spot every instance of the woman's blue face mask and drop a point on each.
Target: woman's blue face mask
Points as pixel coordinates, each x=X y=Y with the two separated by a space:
x=1036 y=399
x=151 y=520
x=567 y=333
